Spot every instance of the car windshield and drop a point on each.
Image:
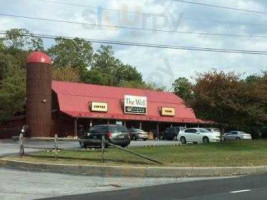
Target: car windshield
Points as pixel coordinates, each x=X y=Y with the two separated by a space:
x=203 y=130
x=213 y=129
x=90 y=130
x=118 y=129
x=139 y=130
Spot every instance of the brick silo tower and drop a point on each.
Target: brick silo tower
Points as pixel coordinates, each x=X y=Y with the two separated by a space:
x=39 y=95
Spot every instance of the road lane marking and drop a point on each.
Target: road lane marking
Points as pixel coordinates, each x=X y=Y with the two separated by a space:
x=239 y=191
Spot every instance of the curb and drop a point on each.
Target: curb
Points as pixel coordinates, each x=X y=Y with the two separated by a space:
x=155 y=172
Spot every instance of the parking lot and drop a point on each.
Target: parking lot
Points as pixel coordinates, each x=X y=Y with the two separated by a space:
x=9 y=147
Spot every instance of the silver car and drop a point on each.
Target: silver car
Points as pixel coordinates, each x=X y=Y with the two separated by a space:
x=236 y=135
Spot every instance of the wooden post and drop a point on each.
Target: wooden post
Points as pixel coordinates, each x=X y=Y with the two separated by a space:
x=56 y=147
x=158 y=130
x=75 y=127
x=103 y=147
x=21 y=145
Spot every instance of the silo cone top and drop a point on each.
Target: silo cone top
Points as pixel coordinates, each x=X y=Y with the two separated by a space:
x=39 y=57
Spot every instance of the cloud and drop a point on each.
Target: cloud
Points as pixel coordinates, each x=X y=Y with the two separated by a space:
x=160 y=65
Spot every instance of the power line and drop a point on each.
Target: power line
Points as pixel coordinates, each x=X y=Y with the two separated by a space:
x=150 y=45
x=221 y=7
x=150 y=14
x=224 y=22
x=86 y=6
x=133 y=28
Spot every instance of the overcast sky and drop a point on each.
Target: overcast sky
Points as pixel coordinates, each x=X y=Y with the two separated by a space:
x=158 y=65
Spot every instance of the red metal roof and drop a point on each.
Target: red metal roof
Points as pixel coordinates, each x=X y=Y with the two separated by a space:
x=74 y=100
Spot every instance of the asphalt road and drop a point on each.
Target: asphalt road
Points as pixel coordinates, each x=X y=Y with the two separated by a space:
x=25 y=185
x=241 y=188
x=9 y=147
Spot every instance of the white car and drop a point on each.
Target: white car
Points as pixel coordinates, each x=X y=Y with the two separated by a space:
x=236 y=135
x=198 y=135
x=214 y=130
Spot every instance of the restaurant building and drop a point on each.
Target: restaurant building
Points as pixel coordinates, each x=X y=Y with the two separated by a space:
x=55 y=107
x=86 y=104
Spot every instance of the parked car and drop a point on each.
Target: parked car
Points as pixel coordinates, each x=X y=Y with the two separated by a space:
x=236 y=135
x=172 y=132
x=136 y=134
x=115 y=134
x=214 y=130
x=156 y=135
x=198 y=135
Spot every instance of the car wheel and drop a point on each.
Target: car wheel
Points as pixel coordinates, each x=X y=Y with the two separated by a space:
x=175 y=137
x=82 y=144
x=134 y=137
x=238 y=138
x=205 y=140
x=183 y=140
x=145 y=139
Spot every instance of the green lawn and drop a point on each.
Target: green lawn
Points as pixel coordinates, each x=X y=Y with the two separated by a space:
x=238 y=153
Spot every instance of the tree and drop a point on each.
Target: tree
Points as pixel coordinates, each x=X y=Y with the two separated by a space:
x=112 y=69
x=76 y=53
x=94 y=76
x=12 y=94
x=252 y=79
x=215 y=97
x=15 y=47
x=7 y=65
x=142 y=85
x=133 y=84
x=183 y=88
x=227 y=100
x=104 y=60
x=127 y=73
x=66 y=74
x=154 y=86
x=2 y=44
x=22 y=39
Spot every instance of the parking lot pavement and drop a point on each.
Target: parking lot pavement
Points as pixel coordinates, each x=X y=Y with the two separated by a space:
x=21 y=185
x=153 y=143
x=9 y=147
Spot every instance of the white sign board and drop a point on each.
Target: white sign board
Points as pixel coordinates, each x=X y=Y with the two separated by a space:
x=135 y=104
x=99 y=107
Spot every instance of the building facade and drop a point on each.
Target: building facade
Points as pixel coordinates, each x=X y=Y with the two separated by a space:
x=87 y=104
x=54 y=107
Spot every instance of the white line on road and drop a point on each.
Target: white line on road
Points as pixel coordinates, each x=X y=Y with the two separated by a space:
x=239 y=191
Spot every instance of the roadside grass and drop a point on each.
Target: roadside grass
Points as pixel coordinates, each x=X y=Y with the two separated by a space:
x=237 y=153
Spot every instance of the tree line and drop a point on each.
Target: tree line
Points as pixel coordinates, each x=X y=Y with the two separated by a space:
x=228 y=99
x=73 y=60
x=225 y=98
